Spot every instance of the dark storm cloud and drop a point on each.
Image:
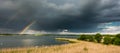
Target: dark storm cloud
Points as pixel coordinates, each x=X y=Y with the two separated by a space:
x=55 y=15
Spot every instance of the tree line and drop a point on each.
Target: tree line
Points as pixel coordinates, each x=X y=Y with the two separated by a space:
x=99 y=38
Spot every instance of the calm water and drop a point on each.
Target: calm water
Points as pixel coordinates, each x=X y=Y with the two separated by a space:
x=30 y=40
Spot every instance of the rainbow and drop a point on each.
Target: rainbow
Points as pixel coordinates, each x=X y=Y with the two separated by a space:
x=27 y=27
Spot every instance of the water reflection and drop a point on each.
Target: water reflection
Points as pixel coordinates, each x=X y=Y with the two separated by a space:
x=1 y=44
x=27 y=42
x=30 y=40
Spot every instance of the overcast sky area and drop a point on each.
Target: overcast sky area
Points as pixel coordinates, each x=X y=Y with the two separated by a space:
x=79 y=16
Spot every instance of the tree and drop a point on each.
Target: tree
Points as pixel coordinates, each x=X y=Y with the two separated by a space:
x=83 y=37
x=98 y=37
x=117 y=41
x=117 y=36
x=90 y=38
x=86 y=38
x=107 y=40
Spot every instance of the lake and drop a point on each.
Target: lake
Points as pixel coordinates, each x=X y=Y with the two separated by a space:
x=31 y=40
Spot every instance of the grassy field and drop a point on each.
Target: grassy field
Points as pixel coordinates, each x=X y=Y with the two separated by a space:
x=78 y=47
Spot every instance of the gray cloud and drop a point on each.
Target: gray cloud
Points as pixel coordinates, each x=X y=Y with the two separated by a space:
x=54 y=15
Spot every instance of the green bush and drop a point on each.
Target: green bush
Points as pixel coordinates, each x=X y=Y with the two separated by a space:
x=107 y=40
x=90 y=38
x=98 y=37
x=116 y=41
x=86 y=38
x=83 y=37
x=117 y=36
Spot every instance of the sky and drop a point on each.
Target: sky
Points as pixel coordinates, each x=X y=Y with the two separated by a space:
x=76 y=16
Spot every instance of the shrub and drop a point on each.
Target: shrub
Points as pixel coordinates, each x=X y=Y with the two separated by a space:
x=117 y=36
x=82 y=37
x=107 y=40
x=116 y=41
x=90 y=38
x=86 y=38
x=98 y=37
x=85 y=49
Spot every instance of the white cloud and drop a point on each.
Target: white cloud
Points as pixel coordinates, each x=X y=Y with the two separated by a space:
x=111 y=29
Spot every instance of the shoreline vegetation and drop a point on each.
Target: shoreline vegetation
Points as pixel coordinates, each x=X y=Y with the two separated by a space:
x=76 y=46
x=68 y=40
x=103 y=39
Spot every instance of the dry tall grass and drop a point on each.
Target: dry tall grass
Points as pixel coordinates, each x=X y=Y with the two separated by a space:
x=80 y=47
